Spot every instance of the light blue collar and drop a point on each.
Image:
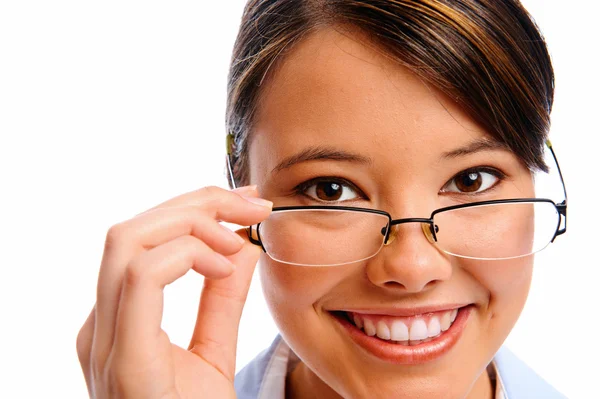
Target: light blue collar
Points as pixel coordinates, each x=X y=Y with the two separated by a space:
x=517 y=379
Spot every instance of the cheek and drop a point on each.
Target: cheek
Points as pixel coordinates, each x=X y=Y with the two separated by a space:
x=507 y=283
x=514 y=232
x=505 y=279
x=295 y=292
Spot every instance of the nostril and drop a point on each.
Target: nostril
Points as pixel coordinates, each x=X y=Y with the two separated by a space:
x=393 y=284
x=396 y=285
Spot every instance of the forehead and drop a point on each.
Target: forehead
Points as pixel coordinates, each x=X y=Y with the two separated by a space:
x=338 y=89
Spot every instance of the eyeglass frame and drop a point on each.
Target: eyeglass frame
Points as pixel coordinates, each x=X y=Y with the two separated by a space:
x=561 y=208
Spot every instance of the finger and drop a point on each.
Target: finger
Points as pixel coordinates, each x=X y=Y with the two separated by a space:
x=160 y=225
x=184 y=199
x=175 y=218
x=126 y=240
x=220 y=204
x=84 y=345
x=220 y=310
x=139 y=316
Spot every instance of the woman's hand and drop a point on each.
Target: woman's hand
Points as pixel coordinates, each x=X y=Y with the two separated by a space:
x=123 y=351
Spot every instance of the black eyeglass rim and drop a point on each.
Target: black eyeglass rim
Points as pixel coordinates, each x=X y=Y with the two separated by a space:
x=561 y=208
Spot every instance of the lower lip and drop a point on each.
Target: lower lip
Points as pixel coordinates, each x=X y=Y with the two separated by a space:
x=402 y=354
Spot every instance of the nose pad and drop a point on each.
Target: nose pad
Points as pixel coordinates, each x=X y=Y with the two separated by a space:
x=428 y=231
x=391 y=236
x=425 y=227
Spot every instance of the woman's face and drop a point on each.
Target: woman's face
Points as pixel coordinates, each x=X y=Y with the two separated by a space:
x=409 y=140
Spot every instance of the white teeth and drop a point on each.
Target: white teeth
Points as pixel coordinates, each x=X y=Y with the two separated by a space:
x=434 y=327
x=358 y=322
x=399 y=331
x=383 y=330
x=418 y=330
x=370 y=329
x=445 y=321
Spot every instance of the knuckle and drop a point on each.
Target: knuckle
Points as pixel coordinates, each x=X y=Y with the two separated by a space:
x=190 y=242
x=191 y=248
x=84 y=345
x=116 y=234
x=228 y=294
x=135 y=273
x=215 y=196
x=212 y=191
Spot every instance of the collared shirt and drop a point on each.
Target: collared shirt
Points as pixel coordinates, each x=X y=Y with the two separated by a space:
x=264 y=377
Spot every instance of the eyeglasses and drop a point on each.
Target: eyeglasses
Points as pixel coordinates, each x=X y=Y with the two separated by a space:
x=336 y=235
x=323 y=235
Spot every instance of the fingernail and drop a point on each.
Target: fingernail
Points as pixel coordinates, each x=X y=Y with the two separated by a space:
x=226 y=262
x=245 y=189
x=260 y=201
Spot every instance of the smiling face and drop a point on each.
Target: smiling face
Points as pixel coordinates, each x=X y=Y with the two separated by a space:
x=381 y=138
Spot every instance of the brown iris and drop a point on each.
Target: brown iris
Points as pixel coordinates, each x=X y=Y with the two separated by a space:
x=468 y=182
x=328 y=191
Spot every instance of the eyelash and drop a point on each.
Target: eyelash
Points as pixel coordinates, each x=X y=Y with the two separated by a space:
x=301 y=188
x=479 y=169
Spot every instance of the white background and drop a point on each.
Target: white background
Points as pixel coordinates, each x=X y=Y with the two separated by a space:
x=107 y=108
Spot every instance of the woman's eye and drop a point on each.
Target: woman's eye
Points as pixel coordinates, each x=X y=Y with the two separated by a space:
x=329 y=191
x=473 y=181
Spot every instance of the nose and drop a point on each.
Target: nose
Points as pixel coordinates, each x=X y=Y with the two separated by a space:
x=409 y=261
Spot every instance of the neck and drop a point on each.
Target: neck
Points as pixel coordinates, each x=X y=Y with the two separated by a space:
x=302 y=383
x=483 y=387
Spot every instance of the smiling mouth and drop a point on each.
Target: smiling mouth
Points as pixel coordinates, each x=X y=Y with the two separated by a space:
x=407 y=340
x=410 y=331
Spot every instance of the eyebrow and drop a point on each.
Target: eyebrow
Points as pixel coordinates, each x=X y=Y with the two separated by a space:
x=321 y=153
x=316 y=153
x=477 y=145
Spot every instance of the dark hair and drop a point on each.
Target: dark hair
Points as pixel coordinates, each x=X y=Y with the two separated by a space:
x=487 y=55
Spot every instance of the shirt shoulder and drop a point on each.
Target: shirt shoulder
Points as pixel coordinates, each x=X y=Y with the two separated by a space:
x=264 y=376
x=519 y=381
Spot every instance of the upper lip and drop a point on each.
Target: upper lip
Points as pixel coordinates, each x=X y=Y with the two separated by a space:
x=404 y=312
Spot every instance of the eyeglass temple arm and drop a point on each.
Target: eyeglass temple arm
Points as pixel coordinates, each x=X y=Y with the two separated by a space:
x=562 y=207
x=229 y=151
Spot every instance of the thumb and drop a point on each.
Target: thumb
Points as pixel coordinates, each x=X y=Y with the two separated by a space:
x=221 y=304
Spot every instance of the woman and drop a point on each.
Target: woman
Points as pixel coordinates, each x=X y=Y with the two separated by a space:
x=398 y=142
